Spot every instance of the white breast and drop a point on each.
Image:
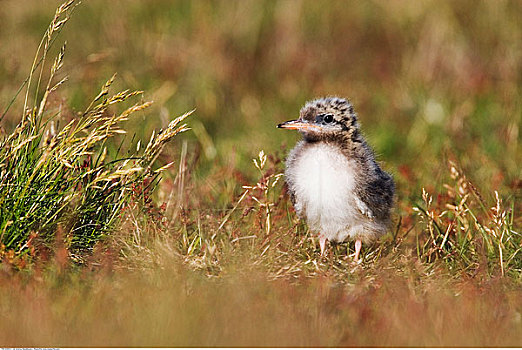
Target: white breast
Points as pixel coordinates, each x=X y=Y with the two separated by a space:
x=323 y=180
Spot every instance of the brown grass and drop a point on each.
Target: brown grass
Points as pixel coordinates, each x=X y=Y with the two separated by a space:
x=175 y=307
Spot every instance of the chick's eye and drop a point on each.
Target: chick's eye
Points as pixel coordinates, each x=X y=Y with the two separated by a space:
x=328 y=118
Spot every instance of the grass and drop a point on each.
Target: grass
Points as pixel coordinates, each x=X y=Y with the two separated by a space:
x=63 y=177
x=182 y=308
x=191 y=240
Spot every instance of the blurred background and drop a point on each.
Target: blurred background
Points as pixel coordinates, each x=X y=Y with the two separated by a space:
x=430 y=80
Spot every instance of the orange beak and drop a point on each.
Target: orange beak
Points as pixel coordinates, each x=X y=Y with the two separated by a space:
x=298 y=125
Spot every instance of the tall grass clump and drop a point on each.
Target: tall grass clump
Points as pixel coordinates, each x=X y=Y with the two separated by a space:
x=64 y=180
x=466 y=232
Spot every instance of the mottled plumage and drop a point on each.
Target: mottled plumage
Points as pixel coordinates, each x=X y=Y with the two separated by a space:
x=333 y=178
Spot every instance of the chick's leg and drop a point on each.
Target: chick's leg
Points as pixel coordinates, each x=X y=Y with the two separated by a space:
x=358 y=245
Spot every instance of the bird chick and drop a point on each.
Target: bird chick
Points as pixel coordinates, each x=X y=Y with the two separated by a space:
x=332 y=176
